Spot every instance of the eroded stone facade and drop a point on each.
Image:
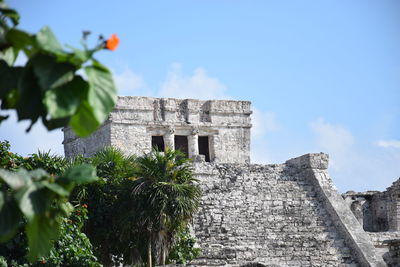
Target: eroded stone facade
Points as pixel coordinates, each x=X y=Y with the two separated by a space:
x=217 y=130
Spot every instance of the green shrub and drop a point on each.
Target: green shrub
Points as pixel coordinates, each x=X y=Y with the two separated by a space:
x=184 y=249
x=73 y=248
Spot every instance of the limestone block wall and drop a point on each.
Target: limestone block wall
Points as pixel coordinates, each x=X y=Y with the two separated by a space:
x=74 y=145
x=131 y=139
x=231 y=145
x=285 y=214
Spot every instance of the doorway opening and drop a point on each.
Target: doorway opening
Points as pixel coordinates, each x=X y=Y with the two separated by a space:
x=181 y=143
x=204 y=148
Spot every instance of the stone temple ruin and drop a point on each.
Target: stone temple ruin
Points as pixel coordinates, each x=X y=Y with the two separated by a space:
x=218 y=131
x=286 y=214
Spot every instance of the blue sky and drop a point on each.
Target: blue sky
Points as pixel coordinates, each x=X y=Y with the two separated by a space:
x=321 y=75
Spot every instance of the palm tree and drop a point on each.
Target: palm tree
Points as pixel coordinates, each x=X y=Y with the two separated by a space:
x=103 y=198
x=166 y=196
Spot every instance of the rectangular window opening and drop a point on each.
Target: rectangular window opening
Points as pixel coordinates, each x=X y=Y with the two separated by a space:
x=181 y=143
x=204 y=147
x=157 y=142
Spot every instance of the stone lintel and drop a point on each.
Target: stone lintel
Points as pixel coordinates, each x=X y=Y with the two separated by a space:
x=157 y=130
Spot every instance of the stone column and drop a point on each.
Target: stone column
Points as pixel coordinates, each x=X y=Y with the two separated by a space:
x=169 y=138
x=193 y=143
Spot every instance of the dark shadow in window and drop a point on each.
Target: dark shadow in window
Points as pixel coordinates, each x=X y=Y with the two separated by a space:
x=204 y=147
x=181 y=143
x=157 y=142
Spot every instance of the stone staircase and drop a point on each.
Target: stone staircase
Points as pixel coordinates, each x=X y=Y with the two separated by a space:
x=268 y=214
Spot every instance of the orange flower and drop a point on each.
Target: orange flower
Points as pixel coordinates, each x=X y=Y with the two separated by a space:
x=113 y=42
x=85 y=206
x=43 y=262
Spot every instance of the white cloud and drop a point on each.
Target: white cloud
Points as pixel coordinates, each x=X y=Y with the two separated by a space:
x=198 y=86
x=130 y=83
x=355 y=165
x=335 y=140
x=262 y=124
x=388 y=143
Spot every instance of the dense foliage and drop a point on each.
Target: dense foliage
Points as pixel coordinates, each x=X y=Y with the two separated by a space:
x=73 y=248
x=136 y=202
x=139 y=206
x=104 y=199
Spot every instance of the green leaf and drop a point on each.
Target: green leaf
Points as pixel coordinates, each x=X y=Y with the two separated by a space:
x=50 y=73
x=15 y=180
x=10 y=13
x=66 y=208
x=9 y=78
x=55 y=123
x=102 y=91
x=9 y=55
x=29 y=105
x=2 y=118
x=79 y=174
x=79 y=56
x=19 y=39
x=10 y=99
x=64 y=101
x=56 y=188
x=84 y=122
x=47 y=41
x=41 y=231
x=10 y=218
x=38 y=174
x=32 y=200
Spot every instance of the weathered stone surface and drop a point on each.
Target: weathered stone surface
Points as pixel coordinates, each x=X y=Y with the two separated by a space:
x=74 y=146
x=277 y=214
x=392 y=257
x=135 y=120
